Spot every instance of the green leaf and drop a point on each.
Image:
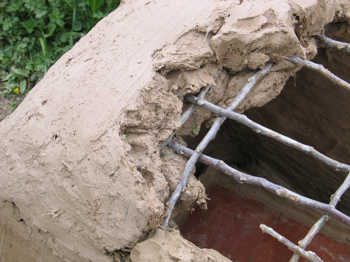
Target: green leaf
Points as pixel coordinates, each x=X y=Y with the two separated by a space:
x=43 y=45
x=7 y=24
x=7 y=77
x=57 y=18
x=23 y=86
x=14 y=6
x=50 y=30
x=95 y=5
x=67 y=36
x=70 y=2
x=195 y=129
x=3 y=3
x=98 y=15
x=29 y=25
x=77 y=26
x=40 y=13
x=20 y=72
x=110 y=4
x=14 y=105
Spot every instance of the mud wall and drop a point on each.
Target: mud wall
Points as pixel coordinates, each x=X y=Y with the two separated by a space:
x=80 y=159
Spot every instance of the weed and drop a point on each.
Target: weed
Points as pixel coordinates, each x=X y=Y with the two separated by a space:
x=35 y=33
x=14 y=105
x=195 y=129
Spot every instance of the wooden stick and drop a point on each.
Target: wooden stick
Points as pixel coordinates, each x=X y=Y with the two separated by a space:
x=316 y=228
x=259 y=129
x=309 y=255
x=329 y=42
x=186 y=115
x=321 y=69
x=208 y=138
x=243 y=178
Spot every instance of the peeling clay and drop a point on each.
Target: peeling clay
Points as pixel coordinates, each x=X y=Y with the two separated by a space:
x=91 y=152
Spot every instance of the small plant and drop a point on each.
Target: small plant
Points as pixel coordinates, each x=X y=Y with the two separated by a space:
x=13 y=105
x=195 y=129
x=35 y=33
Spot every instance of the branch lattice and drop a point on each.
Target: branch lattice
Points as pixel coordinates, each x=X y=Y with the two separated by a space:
x=208 y=138
x=320 y=69
x=280 y=191
x=331 y=43
x=309 y=255
x=316 y=228
x=264 y=131
x=329 y=210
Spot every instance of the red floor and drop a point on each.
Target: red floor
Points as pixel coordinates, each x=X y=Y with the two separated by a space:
x=231 y=226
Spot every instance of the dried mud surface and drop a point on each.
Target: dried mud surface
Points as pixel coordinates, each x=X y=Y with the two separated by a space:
x=82 y=172
x=169 y=246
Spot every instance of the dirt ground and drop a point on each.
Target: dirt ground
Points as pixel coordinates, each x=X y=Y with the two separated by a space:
x=5 y=106
x=8 y=104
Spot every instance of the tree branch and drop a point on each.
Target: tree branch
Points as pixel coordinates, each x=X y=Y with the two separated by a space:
x=186 y=115
x=259 y=129
x=208 y=138
x=321 y=69
x=309 y=255
x=329 y=42
x=316 y=228
x=243 y=178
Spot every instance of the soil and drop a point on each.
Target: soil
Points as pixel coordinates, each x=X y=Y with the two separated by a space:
x=8 y=104
x=5 y=107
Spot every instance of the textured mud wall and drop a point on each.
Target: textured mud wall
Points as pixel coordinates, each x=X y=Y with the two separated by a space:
x=82 y=175
x=170 y=246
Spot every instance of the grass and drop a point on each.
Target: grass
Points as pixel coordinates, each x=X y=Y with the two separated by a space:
x=34 y=34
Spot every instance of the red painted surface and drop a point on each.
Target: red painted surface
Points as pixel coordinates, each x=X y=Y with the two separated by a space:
x=231 y=226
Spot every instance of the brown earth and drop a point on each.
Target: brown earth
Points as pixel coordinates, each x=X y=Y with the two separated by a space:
x=8 y=103
x=5 y=107
x=83 y=175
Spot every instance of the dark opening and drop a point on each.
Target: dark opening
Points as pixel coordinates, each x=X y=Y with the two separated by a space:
x=310 y=109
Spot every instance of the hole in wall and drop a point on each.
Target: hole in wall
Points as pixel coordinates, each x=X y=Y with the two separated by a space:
x=310 y=109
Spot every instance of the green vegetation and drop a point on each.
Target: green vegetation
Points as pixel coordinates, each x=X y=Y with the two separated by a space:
x=195 y=129
x=35 y=33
